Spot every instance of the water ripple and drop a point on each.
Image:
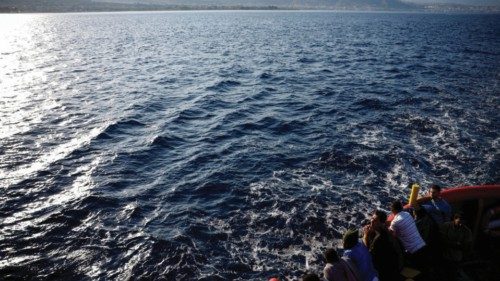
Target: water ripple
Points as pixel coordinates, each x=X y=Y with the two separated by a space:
x=229 y=145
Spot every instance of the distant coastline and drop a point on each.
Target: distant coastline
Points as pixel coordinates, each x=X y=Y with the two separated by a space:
x=86 y=6
x=112 y=7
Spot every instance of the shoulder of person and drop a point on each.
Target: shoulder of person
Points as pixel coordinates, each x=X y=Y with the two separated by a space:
x=445 y=202
x=405 y=215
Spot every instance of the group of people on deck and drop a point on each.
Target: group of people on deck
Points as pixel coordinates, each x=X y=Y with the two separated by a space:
x=430 y=240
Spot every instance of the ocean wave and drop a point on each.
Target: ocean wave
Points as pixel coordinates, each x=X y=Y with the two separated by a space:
x=230 y=146
x=371 y=104
x=224 y=85
x=167 y=141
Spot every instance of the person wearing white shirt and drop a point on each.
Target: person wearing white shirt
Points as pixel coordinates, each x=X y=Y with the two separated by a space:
x=403 y=227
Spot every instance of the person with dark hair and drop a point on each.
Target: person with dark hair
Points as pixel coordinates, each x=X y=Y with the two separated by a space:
x=311 y=277
x=457 y=239
x=387 y=258
x=403 y=227
x=357 y=252
x=370 y=230
x=337 y=269
x=438 y=209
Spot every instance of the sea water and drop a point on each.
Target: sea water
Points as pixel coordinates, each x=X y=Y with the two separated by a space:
x=229 y=145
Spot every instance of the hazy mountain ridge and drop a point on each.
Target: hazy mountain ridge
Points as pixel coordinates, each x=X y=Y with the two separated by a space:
x=29 y=6
x=119 y=5
x=278 y=3
x=457 y=2
x=12 y=6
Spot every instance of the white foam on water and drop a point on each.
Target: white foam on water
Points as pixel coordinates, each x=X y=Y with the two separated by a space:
x=437 y=148
x=50 y=157
x=297 y=187
x=370 y=178
x=372 y=137
x=397 y=179
x=221 y=226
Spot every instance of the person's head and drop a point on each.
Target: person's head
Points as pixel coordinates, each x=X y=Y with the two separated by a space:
x=350 y=238
x=331 y=256
x=458 y=219
x=435 y=191
x=310 y=277
x=396 y=207
x=380 y=216
x=378 y=219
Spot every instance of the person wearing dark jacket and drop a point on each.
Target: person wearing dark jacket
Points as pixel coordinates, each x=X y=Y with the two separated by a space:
x=457 y=239
x=386 y=258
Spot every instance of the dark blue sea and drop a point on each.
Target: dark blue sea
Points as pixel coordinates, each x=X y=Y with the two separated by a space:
x=229 y=145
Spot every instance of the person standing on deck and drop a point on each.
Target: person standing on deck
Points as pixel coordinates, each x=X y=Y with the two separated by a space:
x=457 y=238
x=337 y=269
x=437 y=207
x=357 y=252
x=403 y=227
x=386 y=253
x=439 y=212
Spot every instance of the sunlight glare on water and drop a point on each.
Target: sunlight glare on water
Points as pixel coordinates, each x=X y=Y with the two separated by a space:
x=20 y=48
x=229 y=145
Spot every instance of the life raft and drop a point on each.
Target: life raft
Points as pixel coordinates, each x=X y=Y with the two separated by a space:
x=487 y=213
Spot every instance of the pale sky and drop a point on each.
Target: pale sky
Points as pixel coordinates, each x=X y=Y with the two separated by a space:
x=468 y=2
